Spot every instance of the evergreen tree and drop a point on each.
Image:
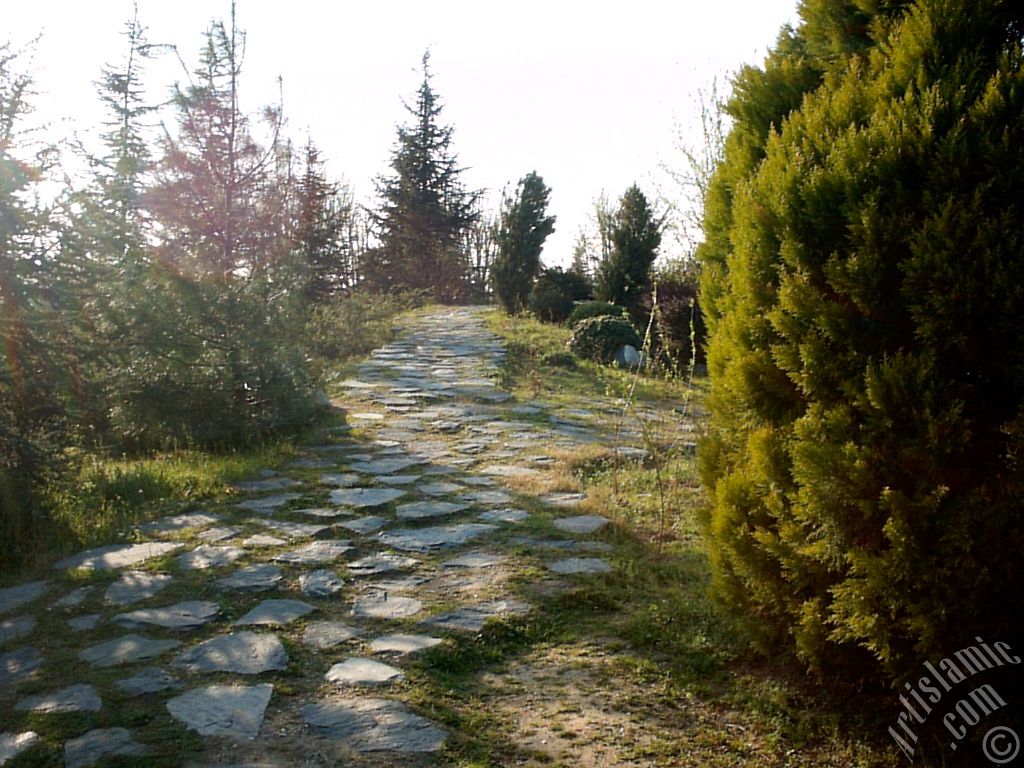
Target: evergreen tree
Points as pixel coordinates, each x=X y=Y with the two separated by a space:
x=523 y=228
x=862 y=281
x=425 y=210
x=322 y=228
x=625 y=276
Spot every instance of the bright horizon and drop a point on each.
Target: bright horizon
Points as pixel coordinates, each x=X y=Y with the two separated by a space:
x=588 y=97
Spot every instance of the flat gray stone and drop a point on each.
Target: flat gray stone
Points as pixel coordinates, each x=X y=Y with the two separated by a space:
x=582 y=524
x=229 y=711
x=374 y=725
x=404 y=644
x=126 y=650
x=291 y=530
x=505 y=515
x=265 y=484
x=73 y=598
x=364 y=525
x=116 y=556
x=565 y=545
x=148 y=680
x=244 y=653
x=427 y=539
x=396 y=479
x=74 y=698
x=84 y=623
x=360 y=498
x=322 y=513
x=381 y=562
x=356 y=671
x=134 y=586
x=344 y=480
x=381 y=605
x=316 y=552
x=219 y=533
x=269 y=504
x=384 y=466
x=487 y=497
x=92 y=746
x=256 y=577
x=206 y=556
x=13 y=744
x=563 y=499
x=16 y=629
x=421 y=510
x=261 y=540
x=320 y=583
x=18 y=665
x=190 y=614
x=328 y=634
x=584 y=565
x=183 y=522
x=510 y=470
x=473 y=617
x=440 y=489
x=275 y=613
x=475 y=559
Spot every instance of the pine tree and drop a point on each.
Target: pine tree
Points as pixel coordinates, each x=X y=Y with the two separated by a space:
x=625 y=276
x=321 y=232
x=522 y=230
x=425 y=210
x=862 y=275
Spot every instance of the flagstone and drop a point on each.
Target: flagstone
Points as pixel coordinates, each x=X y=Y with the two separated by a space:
x=190 y=614
x=176 y=523
x=320 y=583
x=580 y=565
x=374 y=725
x=292 y=530
x=15 y=629
x=365 y=497
x=148 y=680
x=18 y=665
x=421 y=510
x=126 y=650
x=364 y=525
x=206 y=556
x=356 y=671
x=134 y=586
x=316 y=552
x=381 y=562
x=92 y=746
x=228 y=711
x=115 y=556
x=427 y=539
x=243 y=653
x=581 y=524
x=74 y=698
x=83 y=623
x=256 y=577
x=323 y=635
x=404 y=644
x=268 y=504
x=13 y=744
x=275 y=613
x=381 y=605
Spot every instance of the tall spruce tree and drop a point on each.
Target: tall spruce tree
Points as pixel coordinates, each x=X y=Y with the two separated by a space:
x=862 y=280
x=324 y=213
x=625 y=275
x=425 y=210
x=522 y=230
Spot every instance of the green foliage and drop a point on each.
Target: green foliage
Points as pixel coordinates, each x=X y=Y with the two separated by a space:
x=862 y=287
x=679 y=330
x=599 y=338
x=354 y=324
x=625 y=275
x=554 y=294
x=523 y=228
x=425 y=211
x=595 y=309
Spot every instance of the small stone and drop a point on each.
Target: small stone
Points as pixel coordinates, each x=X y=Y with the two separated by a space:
x=269 y=504
x=75 y=698
x=134 y=586
x=323 y=635
x=316 y=552
x=346 y=480
x=275 y=613
x=472 y=618
x=356 y=671
x=374 y=725
x=255 y=577
x=18 y=665
x=222 y=533
x=381 y=605
x=291 y=530
x=13 y=744
x=126 y=650
x=582 y=524
x=16 y=629
x=396 y=479
x=505 y=515
x=510 y=470
x=365 y=497
x=244 y=653
x=176 y=523
x=583 y=565
x=266 y=484
x=384 y=466
x=321 y=583
x=427 y=539
x=489 y=498
x=404 y=644
x=73 y=598
x=148 y=680
x=92 y=746
x=563 y=499
x=84 y=623
x=364 y=525
x=475 y=559
x=382 y=562
x=440 y=489
x=230 y=711
x=116 y=556
x=205 y=556
x=421 y=510
x=262 y=540
x=183 y=616
x=322 y=512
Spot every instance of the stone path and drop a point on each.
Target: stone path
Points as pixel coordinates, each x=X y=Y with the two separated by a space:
x=294 y=612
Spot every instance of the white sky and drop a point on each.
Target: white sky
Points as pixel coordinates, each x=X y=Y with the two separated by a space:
x=588 y=94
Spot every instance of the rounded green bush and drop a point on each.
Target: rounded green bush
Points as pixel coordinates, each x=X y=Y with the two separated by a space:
x=599 y=338
x=596 y=309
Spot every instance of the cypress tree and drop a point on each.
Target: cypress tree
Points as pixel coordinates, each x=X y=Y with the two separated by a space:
x=625 y=276
x=862 y=281
x=522 y=231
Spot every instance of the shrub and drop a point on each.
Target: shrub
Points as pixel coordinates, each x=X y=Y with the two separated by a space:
x=356 y=323
x=599 y=338
x=554 y=295
x=678 y=321
x=596 y=309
